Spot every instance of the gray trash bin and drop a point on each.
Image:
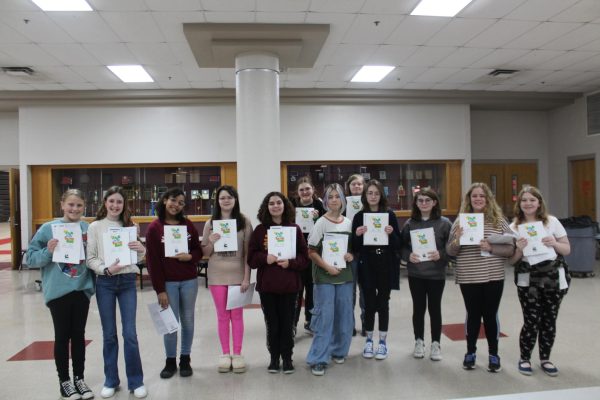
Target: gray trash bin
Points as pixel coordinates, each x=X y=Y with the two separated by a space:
x=582 y=238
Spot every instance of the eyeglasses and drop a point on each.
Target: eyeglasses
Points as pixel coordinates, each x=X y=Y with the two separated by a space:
x=426 y=200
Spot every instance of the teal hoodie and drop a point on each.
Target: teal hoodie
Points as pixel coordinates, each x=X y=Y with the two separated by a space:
x=55 y=282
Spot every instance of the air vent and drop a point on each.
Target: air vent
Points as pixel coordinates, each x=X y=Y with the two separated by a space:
x=593 y=114
x=18 y=71
x=503 y=73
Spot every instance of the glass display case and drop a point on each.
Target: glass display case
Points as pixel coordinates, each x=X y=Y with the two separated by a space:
x=400 y=179
x=143 y=186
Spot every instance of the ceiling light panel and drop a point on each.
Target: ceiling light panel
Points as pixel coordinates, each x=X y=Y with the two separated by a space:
x=372 y=73
x=63 y=5
x=130 y=73
x=440 y=8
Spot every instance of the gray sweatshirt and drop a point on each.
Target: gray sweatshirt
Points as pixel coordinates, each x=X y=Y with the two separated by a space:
x=427 y=269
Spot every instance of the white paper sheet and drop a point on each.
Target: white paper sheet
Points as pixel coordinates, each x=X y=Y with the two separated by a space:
x=423 y=241
x=282 y=242
x=533 y=232
x=353 y=206
x=304 y=219
x=176 y=240
x=472 y=225
x=237 y=299
x=227 y=228
x=375 y=234
x=335 y=247
x=163 y=318
x=115 y=243
x=70 y=243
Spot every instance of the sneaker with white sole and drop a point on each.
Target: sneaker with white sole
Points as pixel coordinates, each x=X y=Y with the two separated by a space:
x=107 y=392
x=436 y=352
x=224 y=364
x=469 y=361
x=238 y=364
x=84 y=391
x=140 y=392
x=318 y=369
x=368 y=349
x=68 y=391
x=338 y=359
x=419 y=351
x=382 y=351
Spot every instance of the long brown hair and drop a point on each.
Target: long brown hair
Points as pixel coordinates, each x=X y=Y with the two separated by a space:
x=436 y=211
x=125 y=216
x=382 y=206
x=541 y=213
x=235 y=213
x=492 y=212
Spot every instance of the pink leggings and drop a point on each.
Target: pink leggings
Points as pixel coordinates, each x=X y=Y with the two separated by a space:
x=236 y=316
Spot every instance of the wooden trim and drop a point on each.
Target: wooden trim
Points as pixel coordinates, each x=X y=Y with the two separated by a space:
x=283 y=175
x=229 y=174
x=137 y=220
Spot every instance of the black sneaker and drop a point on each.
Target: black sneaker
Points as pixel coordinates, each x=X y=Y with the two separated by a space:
x=469 y=362
x=84 y=391
x=274 y=365
x=288 y=367
x=68 y=391
x=363 y=332
x=318 y=369
x=307 y=328
x=185 y=369
x=169 y=369
x=494 y=364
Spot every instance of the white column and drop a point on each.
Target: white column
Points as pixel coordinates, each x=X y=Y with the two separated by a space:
x=257 y=129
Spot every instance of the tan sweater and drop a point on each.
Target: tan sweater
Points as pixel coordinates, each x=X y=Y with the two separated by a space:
x=95 y=247
x=226 y=268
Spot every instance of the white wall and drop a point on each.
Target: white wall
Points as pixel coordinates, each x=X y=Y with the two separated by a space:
x=568 y=138
x=9 y=139
x=512 y=135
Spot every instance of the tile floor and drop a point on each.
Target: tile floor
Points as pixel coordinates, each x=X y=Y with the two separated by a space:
x=26 y=321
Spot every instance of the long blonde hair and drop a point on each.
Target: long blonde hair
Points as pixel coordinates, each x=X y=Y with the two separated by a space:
x=492 y=212
x=541 y=213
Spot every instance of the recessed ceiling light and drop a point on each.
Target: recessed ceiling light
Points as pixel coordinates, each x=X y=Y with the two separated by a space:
x=130 y=73
x=63 y=5
x=440 y=8
x=372 y=73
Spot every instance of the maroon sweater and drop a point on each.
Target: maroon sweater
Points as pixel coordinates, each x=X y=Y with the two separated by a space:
x=163 y=269
x=271 y=278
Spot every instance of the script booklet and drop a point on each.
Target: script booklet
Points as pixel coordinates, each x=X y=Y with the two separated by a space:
x=375 y=234
x=423 y=241
x=304 y=218
x=353 y=206
x=115 y=243
x=70 y=243
x=237 y=299
x=533 y=232
x=163 y=318
x=176 y=240
x=335 y=246
x=282 y=242
x=472 y=225
x=227 y=228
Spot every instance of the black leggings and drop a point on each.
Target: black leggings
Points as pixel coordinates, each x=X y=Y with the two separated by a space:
x=427 y=294
x=279 y=310
x=377 y=292
x=69 y=316
x=482 y=300
x=540 y=310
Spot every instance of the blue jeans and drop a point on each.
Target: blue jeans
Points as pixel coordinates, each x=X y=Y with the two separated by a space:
x=182 y=299
x=110 y=290
x=332 y=322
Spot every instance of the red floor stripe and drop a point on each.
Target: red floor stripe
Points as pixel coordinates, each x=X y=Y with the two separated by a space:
x=4 y=252
x=41 y=350
x=456 y=332
x=4 y=240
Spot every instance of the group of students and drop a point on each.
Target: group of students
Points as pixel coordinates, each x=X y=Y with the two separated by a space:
x=331 y=292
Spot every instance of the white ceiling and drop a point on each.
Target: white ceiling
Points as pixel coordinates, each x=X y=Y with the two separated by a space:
x=555 y=44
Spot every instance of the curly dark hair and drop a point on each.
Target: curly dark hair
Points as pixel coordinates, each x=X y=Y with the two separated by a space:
x=161 y=208
x=289 y=212
x=125 y=216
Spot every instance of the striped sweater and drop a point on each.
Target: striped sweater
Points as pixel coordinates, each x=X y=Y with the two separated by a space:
x=471 y=266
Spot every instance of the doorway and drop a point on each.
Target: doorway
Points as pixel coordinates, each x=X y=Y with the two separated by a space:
x=15 y=217
x=583 y=187
x=505 y=180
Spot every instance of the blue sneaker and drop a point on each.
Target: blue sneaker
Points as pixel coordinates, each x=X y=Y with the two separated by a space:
x=382 y=351
x=469 y=361
x=549 y=368
x=494 y=364
x=368 y=349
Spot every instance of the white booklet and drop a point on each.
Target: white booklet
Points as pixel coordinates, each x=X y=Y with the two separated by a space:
x=227 y=228
x=375 y=234
x=304 y=218
x=176 y=240
x=353 y=206
x=423 y=241
x=472 y=225
x=282 y=242
x=237 y=299
x=533 y=232
x=335 y=247
x=69 y=249
x=163 y=318
x=115 y=243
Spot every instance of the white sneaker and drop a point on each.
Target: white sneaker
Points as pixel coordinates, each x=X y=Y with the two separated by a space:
x=224 y=363
x=368 y=349
x=238 y=364
x=140 y=392
x=107 y=392
x=419 y=349
x=436 y=352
